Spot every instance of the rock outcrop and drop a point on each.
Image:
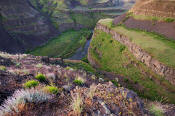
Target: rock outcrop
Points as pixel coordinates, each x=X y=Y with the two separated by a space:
x=101 y=98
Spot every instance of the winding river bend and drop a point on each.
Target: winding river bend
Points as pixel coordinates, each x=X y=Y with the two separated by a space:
x=81 y=52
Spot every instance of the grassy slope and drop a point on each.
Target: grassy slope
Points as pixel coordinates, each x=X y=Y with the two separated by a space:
x=114 y=57
x=158 y=46
x=151 y=18
x=64 y=45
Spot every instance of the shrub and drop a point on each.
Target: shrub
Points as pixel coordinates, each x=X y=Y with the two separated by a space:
x=85 y=59
x=126 y=80
x=169 y=20
x=40 y=77
x=31 y=83
x=39 y=65
x=69 y=68
x=77 y=103
x=115 y=82
x=79 y=80
x=122 y=48
x=20 y=97
x=51 y=89
x=3 y=68
x=111 y=41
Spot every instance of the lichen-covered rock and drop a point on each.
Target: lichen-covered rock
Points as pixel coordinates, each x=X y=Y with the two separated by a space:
x=109 y=100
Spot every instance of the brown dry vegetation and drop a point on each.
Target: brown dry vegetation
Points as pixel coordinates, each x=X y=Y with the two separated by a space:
x=162 y=8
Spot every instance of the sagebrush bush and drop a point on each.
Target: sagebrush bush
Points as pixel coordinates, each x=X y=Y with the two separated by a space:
x=40 y=77
x=51 y=89
x=21 y=97
x=31 y=83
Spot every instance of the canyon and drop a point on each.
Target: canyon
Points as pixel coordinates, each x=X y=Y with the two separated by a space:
x=87 y=58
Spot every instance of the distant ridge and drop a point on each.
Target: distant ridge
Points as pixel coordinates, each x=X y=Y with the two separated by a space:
x=159 y=8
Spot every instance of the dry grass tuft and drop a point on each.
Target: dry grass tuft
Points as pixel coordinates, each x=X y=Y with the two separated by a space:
x=92 y=90
x=77 y=103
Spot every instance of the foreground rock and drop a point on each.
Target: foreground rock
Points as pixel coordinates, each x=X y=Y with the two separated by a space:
x=100 y=98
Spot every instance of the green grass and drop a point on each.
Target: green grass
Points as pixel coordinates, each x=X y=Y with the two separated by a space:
x=156 y=110
x=151 y=18
x=64 y=45
x=51 y=89
x=3 y=68
x=116 y=58
x=169 y=20
x=160 y=47
x=78 y=82
x=31 y=83
x=115 y=82
x=40 y=77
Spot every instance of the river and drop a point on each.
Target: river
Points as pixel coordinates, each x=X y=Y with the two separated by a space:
x=81 y=52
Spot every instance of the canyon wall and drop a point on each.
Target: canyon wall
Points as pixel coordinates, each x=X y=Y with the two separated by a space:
x=26 y=26
x=140 y=54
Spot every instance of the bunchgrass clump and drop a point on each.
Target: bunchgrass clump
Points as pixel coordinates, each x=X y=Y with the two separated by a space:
x=77 y=103
x=20 y=98
x=79 y=81
x=18 y=64
x=40 y=77
x=3 y=68
x=156 y=109
x=51 y=89
x=69 y=68
x=92 y=90
x=31 y=83
x=39 y=65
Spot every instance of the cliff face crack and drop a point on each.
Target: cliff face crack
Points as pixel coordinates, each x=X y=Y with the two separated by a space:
x=141 y=55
